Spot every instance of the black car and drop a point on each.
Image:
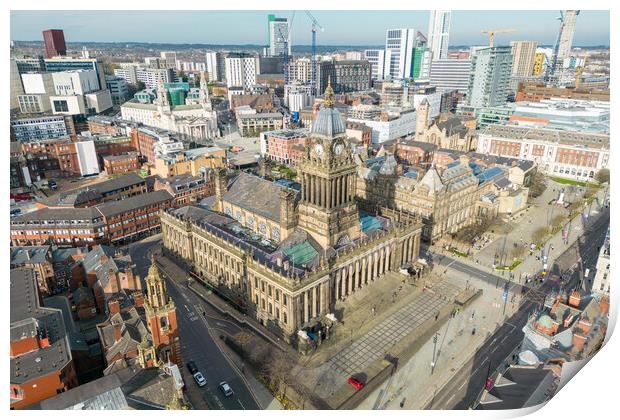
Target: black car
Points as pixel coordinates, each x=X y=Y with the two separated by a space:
x=192 y=367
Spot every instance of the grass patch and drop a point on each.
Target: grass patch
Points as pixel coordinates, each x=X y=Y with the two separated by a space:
x=457 y=252
x=573 y=182
x=510 y=267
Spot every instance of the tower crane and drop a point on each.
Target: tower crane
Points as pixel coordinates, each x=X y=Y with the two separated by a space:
x=492 y=32
x=315 y=25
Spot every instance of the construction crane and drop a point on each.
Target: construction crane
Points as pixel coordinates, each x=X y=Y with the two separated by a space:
x=315 y=25
x=492 y=32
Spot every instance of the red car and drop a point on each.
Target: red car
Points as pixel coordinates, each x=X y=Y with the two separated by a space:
x=357 y=384
x=21 y=197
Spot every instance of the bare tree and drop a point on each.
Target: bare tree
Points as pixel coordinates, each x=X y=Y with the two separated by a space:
x=539 y=235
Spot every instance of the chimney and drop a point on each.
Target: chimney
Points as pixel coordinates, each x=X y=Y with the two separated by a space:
x=118 y=327
x=114 y=307
x=574 y=299
x=585 y=324
x=579 y=341
x=604 y=305
x=279 y=261
x=138 y=299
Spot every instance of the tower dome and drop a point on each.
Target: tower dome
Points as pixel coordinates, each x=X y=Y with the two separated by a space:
x=328 y=122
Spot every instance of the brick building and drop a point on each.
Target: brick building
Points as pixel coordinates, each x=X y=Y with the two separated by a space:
x=112 y=222
x=414 y=153
x=560 y=153
x=40 y=362
x=150 y=142
x=536 y=91
x=359 y=131
x=193 y=161
x=187 y=189
x=279 y=145
x=120 y=164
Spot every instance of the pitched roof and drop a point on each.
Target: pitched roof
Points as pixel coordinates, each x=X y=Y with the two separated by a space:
x=112 y=208
x=255 y=194
x=432 y=180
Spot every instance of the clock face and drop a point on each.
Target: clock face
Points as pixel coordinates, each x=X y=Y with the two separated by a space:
x=318 y=149
x=338 y=149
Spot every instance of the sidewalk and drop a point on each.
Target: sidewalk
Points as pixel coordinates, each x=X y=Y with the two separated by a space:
x=414 y=381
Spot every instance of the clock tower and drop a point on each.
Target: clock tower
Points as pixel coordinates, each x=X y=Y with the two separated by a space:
x=327 y=173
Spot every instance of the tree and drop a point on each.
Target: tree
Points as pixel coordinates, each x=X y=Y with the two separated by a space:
x=602 y=176
x=557 y=220
x=538 y=185
x=539 y=235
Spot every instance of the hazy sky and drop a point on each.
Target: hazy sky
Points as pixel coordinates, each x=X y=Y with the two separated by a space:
x=340 y=27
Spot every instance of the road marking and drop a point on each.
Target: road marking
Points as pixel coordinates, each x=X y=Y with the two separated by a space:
x=239 y=401
x=503 y=339
x=450 y=399
x=462 y=385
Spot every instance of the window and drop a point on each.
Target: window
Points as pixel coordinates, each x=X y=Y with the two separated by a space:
x=277 y=295
x=61 y=106
x=284 y=299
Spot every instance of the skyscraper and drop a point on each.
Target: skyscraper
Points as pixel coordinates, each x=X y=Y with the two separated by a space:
x=439 y=32
x=399 y=45
x=523 y=57
x=279 y=36
x=54 y=40
x=489 y=79
x=376 y=58
x=567 y=32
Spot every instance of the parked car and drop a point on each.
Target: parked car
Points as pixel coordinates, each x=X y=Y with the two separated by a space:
x=226 y=389
x=52 y=184
x=192 y=367
x=356 y=383
x=200 y=380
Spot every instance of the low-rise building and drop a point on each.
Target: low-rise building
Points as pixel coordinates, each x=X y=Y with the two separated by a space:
x=360 y=132
x=41 y=364
x=536 y=91
x=280 y=145
x=39 y=260
x=193 y=161
x=252 y=124
x=561 y=153
x=121 y=164
x=386 y=123
x=151 y=142
x=187 y=189
x=113 y=222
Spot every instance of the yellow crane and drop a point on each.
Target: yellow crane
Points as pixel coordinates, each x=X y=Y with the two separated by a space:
x=492 y=32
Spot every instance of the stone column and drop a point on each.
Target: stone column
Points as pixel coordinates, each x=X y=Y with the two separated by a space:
x=350 y=285
x=338 y=193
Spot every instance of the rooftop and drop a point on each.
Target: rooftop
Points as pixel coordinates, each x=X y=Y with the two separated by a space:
x=585 y=140
x=29 y=318
x=29 y=254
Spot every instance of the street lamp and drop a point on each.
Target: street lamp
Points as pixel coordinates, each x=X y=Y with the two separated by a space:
x=434 y=349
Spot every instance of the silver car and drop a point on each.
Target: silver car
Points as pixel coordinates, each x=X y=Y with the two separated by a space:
x=226 y=389
x=200 y=380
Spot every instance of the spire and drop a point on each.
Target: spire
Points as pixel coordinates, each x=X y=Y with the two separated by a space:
x=329 y=94
x=156 y=294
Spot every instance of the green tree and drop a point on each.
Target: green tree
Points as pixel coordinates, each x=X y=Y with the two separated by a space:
x=538 y=185
x=602 y=176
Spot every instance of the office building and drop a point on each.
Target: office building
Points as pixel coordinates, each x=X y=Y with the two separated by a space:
x=241 y=70
x=195 y=162
x=17 y=88
x=39 y=128
x=300 y=70
x=562 y=153
x=215 y=65
x=279 y=36
x=54 y=41
x=151 y=77
x=489 y=79
x=69 y=64
x=345 y=76
x=439 y=33
x=537 y=91
x=284 y=146
x=523 y=57
x=168 y=60
x=30 y=64
x=540 y=63
x=118 y=89
x=450 y=75
x=399 y=44
x=376 y=58
x=567 y=32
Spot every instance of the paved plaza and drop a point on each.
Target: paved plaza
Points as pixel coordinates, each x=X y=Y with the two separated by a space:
x=377 y=343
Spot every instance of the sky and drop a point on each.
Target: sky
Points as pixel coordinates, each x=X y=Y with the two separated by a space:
x=340 y=27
